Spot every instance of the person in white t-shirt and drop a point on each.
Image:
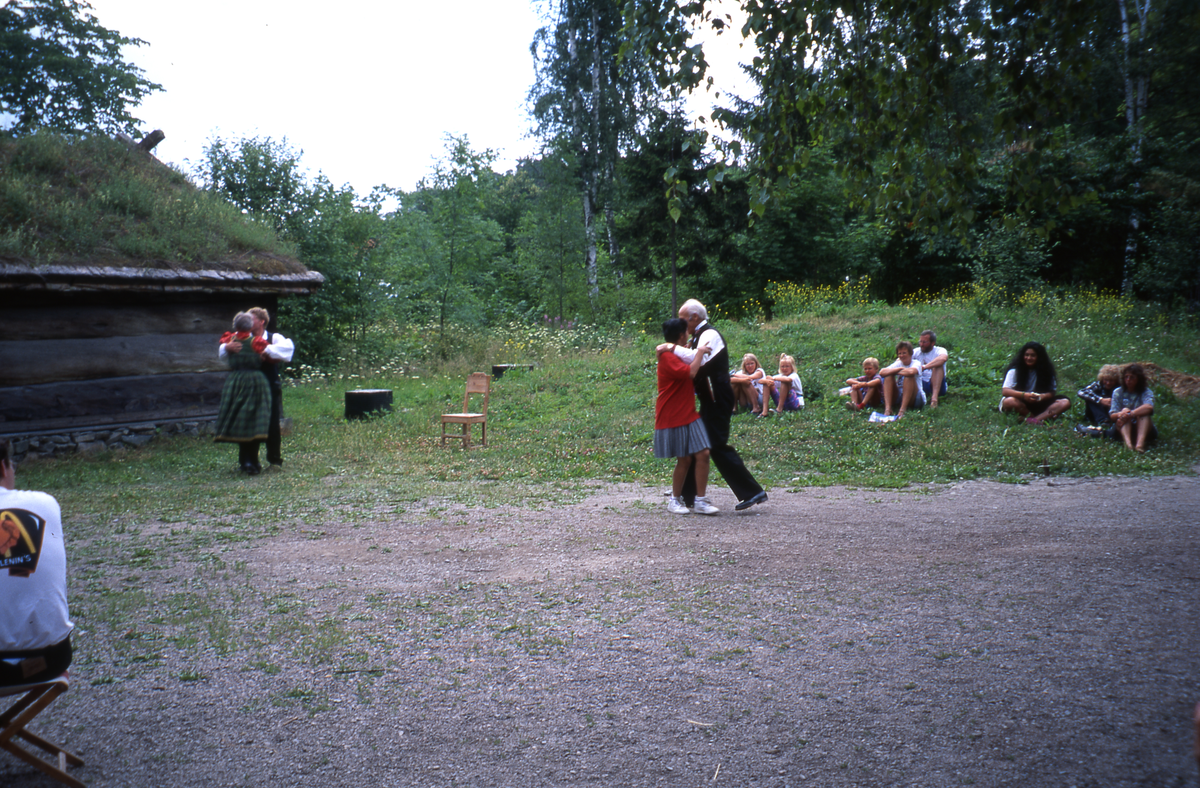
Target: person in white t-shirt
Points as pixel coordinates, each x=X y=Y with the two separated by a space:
x=902 y=382
x=35 y=625
x=933 y=366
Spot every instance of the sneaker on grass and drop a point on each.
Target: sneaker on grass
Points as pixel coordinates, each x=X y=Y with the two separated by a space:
x=704 y=506
x=677 y=506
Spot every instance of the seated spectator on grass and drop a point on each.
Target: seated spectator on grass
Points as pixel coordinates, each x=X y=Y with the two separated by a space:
x=1030 y=385
x=1097 y=395
x=1132 y=409
x=748 y=383
x=933 y=366
x=902 y=383
x=787 y=393
x=35 y=625
x=867 y=389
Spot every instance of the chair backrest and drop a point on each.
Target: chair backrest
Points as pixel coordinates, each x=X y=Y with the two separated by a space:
x=477 y=383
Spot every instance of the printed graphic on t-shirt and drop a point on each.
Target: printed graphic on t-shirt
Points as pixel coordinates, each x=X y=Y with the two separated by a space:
x=21 y=535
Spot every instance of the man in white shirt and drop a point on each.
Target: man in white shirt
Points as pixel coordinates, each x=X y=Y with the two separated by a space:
x=902 y=381
x=933 y=366
x=35 y=625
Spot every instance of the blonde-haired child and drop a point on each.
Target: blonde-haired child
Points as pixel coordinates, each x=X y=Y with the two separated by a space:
x=748 y=383
x=866 y=390
x=787 y=394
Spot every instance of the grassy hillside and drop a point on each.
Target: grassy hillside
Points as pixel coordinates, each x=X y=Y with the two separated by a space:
x=97 y=201
x=585 y=416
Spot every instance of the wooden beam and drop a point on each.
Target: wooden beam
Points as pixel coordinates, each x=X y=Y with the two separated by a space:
x=79 y=404
x=33 y=362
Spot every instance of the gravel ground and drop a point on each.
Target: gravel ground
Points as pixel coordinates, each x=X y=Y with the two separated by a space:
x=1043 y=634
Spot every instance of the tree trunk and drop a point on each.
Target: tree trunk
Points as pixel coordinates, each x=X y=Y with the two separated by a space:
x=1135 y=110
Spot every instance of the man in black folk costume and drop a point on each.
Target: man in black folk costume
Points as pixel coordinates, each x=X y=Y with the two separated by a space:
x=716 y=408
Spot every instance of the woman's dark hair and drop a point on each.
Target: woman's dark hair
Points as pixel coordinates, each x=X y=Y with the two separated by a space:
x=1139 y=373
x=1046 y=377
x=673 y=328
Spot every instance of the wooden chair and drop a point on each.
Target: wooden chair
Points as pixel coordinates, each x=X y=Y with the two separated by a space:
x=477 y=383
x=33 y=700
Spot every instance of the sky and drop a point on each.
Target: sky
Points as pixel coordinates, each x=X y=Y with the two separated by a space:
x=366 y=89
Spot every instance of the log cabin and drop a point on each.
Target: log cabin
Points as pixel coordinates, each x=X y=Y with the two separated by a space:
x=97 y=352
x=86 y=349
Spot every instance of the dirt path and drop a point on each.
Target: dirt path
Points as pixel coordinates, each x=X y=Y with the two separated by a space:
x=981 y=633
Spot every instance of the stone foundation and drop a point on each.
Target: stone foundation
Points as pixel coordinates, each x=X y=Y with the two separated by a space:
x=116 y=438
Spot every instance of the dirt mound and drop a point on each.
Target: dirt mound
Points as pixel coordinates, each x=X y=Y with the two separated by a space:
x=1181 y=384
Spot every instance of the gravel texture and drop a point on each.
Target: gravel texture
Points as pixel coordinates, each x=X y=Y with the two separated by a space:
x=1041 y=634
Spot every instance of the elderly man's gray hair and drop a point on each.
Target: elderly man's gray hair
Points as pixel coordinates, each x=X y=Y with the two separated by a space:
x=694 y=308
x=243 y=321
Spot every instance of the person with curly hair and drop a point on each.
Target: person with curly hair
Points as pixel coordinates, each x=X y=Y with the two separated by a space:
x=1097 y=395
x=1030 y=386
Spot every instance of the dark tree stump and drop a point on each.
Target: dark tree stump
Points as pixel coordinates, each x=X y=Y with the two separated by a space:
x=498 y=370
x=364 y=402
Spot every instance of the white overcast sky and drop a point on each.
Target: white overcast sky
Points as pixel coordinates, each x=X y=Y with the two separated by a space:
x=367 y=89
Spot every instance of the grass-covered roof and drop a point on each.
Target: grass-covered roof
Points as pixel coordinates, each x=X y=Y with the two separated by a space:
x=99 y=203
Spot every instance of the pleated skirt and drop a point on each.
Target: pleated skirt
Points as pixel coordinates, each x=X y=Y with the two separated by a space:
x=681 y=441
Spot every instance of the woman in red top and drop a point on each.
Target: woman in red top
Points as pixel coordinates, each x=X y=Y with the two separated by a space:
x=678 y=431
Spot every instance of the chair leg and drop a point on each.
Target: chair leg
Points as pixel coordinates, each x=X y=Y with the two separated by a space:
x=20 y=715
x=466 y=436
x=483 y=432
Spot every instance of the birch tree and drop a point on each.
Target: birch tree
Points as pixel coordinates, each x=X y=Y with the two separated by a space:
x=592 y=100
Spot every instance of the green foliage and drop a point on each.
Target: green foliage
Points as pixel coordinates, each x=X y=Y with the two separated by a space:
x=897 y=91
x=457 y=252
x=1009 y=257
x=61 y=69
x=66 y=198
x=258 y=175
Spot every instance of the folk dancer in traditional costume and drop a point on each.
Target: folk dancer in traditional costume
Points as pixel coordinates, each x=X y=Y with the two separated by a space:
x=246 y=398
x=279 y=350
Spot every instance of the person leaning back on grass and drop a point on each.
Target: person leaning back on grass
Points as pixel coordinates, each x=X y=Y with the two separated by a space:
x=678 y=429
x=933 y=366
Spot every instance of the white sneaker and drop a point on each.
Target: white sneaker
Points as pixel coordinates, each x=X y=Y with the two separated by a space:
x=704 y=506
x=676 y=506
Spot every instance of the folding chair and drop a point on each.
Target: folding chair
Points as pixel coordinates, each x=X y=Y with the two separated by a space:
x=33 y=700
x=477 y=383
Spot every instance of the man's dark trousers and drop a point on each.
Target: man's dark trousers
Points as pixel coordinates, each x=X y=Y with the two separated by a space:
x=715 y=394
x=274 y=437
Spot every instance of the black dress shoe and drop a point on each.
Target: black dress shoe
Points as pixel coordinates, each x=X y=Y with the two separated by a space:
x=250 y=469
x=746 y=504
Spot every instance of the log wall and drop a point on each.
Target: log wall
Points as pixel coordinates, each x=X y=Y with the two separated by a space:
x=74 y=361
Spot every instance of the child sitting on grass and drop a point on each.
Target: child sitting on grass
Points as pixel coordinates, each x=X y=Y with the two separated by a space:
x=748 y=383
x=867 y=390
x=678 y=431
x=787 y=394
